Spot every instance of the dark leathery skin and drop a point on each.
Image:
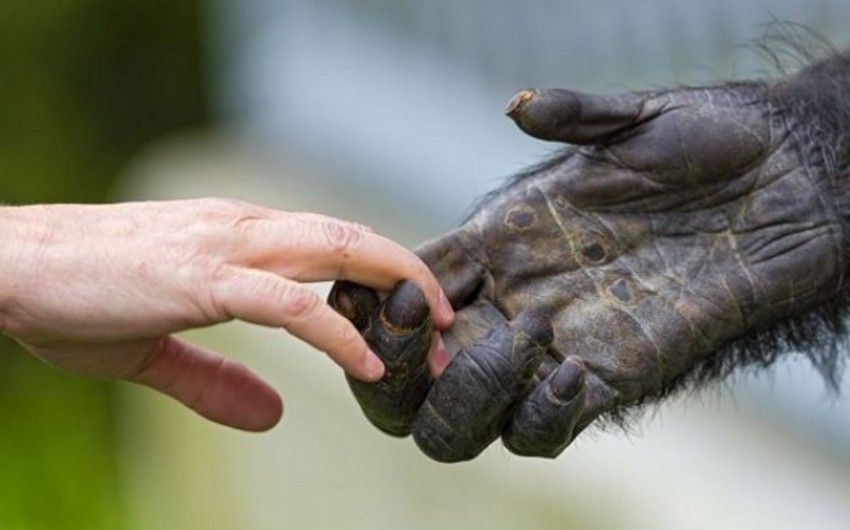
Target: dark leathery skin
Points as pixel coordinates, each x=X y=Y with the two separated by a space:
x=544 y=422
x=399 y=332
x=452 y=426
x=680 y=221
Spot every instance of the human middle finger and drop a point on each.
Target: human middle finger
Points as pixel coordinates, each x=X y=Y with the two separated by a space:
x=311 y=247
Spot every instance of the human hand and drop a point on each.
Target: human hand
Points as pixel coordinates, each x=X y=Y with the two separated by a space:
x=683 y=220
x=98 y=291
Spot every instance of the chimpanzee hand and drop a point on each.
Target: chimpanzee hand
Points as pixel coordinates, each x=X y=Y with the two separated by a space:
x=681 y=221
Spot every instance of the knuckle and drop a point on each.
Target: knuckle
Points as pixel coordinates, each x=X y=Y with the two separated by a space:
x=220 y=272
x=231 y=212
x=364 y=228
x=340 y=236
x=163 y=355
x=209 y=296
x=215 y=233
x=221 y=205
x=297 y=301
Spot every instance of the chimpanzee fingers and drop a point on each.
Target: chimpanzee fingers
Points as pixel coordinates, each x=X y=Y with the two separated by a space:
x=464 y=411
x=550 y=417
x=472 y=323
x=450 y=259
x=353 y=301
x=399 y=332
x=543 y=423
x=573 y=117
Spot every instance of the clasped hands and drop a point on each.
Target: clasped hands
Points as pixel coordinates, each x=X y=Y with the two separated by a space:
x=675 y=223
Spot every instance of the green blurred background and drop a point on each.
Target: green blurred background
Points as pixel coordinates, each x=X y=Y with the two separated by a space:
x=83 y=86
x=389 y=113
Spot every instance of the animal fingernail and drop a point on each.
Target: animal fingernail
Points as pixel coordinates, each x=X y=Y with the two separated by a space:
x=568 y=380
x=374 y=366
x=406 y=307
x=517 y=101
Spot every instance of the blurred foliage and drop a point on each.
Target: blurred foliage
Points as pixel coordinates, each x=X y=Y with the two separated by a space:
x=83 y=85
x=59 y=463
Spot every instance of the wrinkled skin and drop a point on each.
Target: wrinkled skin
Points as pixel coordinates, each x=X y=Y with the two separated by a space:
x=680 y=221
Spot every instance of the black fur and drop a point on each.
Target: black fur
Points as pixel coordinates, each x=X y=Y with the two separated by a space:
x=818 y=95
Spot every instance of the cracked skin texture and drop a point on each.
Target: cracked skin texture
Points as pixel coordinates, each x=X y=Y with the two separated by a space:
x=677 y=222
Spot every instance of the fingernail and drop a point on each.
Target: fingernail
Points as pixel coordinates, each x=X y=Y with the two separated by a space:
x=374 y=366
x=517 y=101
x=447 y=306
x=438 y=358
x=406 y=306
x=568 y=380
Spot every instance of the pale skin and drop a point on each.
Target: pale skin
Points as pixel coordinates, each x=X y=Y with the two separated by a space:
x=99 y=291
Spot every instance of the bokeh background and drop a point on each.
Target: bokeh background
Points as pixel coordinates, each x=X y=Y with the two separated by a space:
x=389 y=113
